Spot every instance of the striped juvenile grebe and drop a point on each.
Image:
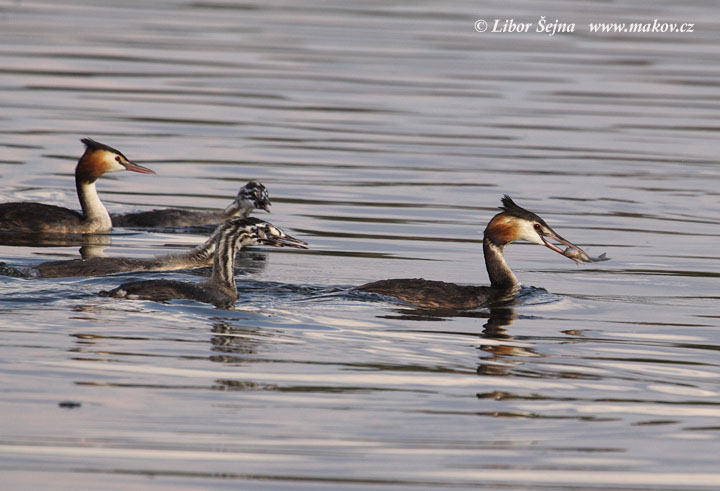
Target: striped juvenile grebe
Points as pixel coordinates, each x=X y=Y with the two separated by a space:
x=252 y=195
x=513 y=223
x=198 y=257
x=40 y=218
x=220 y=289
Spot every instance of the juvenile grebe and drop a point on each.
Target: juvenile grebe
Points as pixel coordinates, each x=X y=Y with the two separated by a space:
x=198 y=257
x=40 y=218
x=252 y=195
x=220 y=289
x=513 y=223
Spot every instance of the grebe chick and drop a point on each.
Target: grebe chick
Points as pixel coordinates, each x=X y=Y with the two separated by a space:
x=198 y=257
x=220 y=289
x=40 y=218
x=251 y=196
x=513 y=223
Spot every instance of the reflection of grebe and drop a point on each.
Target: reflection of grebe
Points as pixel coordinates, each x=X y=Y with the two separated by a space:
x=220 y=289
x=252 y=195
x=513 y=223
x=37 y=217
x=197 y=257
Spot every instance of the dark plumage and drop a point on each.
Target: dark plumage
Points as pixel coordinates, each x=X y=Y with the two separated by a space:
x=513 y=223
x=513 y=209
x=97 y=160
x=220 y=289
x=21 y=218
x=250 y=197
x=96 y=145
x=431 y=294
x=163 y=290
x=198 y=257
x=99 y=266
x=170 y=217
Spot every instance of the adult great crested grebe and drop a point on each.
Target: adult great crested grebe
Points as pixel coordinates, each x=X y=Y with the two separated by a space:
x=220 y=289
x=513 y=223
x=31 y=217
x=252 y=195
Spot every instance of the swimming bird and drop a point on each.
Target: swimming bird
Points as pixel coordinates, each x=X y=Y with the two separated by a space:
x=198 y=257
x=511 y=224
x=251 y=196
x=97 y=159
x=220 y=289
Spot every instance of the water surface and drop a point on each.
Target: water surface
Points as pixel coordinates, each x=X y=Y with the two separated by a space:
x=386 y=135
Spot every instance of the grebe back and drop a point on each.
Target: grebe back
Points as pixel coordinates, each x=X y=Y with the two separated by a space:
x=97 y=159
x=511 y=224
x=220 y=289
x=251 y=196
x=198 y=257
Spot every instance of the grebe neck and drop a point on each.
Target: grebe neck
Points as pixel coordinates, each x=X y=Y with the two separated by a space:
x=94 y=212
x=203 y=253
x=197 y=257
x=237 y=209
x=501 y=276
x=223 y=272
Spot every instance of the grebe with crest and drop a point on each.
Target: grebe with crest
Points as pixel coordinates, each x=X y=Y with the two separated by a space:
x=511 y=224
x=97 y=159
x=251 y=196
x=220 y=290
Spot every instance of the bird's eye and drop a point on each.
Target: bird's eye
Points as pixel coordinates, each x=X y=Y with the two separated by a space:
x=537 y=227
x=117 y=157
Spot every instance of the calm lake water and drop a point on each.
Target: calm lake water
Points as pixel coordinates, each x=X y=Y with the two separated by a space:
x=386 y=133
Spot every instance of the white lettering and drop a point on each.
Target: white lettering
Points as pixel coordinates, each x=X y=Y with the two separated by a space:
x=550 y=28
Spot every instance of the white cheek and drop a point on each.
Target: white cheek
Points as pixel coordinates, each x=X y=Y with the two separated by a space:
x=528 y=233
x=112 y=165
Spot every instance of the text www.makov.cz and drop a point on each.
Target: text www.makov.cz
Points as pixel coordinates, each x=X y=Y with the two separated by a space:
x=654 y=26
x=551 y=28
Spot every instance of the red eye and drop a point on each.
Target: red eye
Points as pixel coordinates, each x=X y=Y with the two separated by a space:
x=537 y=227
x=117 y=158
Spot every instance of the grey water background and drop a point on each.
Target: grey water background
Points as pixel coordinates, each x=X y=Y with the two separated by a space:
x=386 y=132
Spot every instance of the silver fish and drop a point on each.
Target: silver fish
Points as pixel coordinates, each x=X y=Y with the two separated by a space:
x=578 y=255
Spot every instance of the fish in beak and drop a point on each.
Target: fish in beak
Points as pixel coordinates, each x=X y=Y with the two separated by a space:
x=572 y=251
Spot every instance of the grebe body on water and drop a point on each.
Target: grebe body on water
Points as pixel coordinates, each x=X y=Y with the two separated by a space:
x=511 y=224
x=198 y=257
x=220 y=289
x=31 y=217
x=251 y=196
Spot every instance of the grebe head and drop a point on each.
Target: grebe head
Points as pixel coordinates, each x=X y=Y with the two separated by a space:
x=517 y=223
x=254 y=195
x=100 y=158
x=255 y=231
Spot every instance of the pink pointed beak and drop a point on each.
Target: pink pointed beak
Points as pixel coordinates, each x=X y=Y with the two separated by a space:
x=282 y=241
x=136 y=168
